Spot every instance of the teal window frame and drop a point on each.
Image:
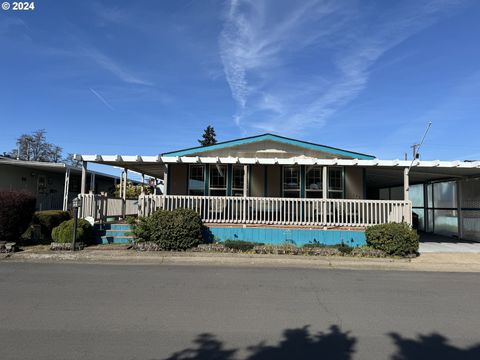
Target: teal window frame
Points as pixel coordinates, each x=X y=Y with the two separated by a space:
x=341 y=179
x=292 y=190
x=215 y=187
x=237 y=191
x=190 y=166
x=319 y=190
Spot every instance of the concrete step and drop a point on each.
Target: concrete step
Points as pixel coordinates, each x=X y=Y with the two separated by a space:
x=114 y=233
x=115 y=239
x=109 y=226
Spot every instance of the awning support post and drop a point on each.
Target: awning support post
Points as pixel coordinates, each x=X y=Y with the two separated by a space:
x=83 y=185
x=324 y=194
x=459 y=209
x=92 y=182
x=66 y=187
x=245 y=190
x=165 y=180
x=406 y=184
x=124 y=193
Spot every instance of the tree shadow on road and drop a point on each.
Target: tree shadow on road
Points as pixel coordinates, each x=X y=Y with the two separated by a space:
x=208 y=347
x=433 y=346
x=296 y=343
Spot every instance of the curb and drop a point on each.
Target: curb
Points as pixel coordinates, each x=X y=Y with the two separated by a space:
x=435 y=262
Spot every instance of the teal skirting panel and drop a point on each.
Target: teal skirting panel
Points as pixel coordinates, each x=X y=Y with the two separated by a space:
x=297 y=237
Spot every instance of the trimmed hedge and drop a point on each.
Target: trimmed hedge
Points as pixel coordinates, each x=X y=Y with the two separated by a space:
x=16 y=211
x=63 y=232
x=241 y=245
x=48 y=220
x=396 y=239
x=180 y=229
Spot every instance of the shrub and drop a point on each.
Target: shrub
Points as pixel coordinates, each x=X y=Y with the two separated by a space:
x=394 y=239
x=131 y=220
x=48 y=220
x=63 y=232
x=16 y=211
x=180 y=229
x=240 y=245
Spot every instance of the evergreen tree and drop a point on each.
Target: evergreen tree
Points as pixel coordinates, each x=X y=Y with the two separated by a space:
x=209 y=137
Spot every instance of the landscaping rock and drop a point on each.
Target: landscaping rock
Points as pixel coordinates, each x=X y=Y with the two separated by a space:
x=8 y=247
x=284 y=249
x=54 y=246
x=146 y=246
x=368 y=252
x=220 y=248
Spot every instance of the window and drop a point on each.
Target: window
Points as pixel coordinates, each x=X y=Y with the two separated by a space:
x=313 y=184
x=237 y=180
x=42 y=185
x=196 y=180
x=218 y=180
x=335 y=183
x=291 y=181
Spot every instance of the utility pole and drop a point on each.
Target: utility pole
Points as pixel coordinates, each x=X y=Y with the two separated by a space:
x=414 y=150
x=416 y=147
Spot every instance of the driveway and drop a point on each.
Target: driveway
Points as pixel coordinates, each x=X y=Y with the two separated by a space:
x=430 y=243
x=92 y=311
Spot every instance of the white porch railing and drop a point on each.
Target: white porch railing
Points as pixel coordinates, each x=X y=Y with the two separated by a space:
x=100 y=207
x=283 y=211
x=256 y=210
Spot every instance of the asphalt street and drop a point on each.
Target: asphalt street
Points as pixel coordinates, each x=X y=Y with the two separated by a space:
x=84 y=311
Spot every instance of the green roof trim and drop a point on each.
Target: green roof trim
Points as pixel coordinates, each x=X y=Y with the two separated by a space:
x=278 y=138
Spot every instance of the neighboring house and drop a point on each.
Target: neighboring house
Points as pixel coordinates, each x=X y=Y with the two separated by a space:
x=48 y=181
x=270 y=184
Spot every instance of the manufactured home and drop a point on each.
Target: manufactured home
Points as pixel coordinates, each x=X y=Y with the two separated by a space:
x=272 y=188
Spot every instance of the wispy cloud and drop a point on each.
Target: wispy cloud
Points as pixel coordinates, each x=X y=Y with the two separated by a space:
x=247 y=43
x=113 y=67
x=263 y=46
x=101 y=98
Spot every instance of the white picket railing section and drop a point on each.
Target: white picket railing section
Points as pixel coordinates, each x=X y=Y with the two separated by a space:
x=100 y=207
x=283 y=211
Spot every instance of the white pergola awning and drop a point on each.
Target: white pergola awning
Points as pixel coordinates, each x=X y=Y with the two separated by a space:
x=118 y=160
x=155 y=165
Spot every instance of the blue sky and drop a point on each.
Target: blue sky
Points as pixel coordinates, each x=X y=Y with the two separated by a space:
x=145 y=77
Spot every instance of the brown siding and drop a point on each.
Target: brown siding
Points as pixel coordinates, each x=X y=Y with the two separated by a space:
x=274 y=176
x=178 y=179
x=257 y=149
x=353 y=183
x=257 y=181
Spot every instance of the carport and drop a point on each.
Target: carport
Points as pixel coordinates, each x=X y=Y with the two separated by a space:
x=446 y=200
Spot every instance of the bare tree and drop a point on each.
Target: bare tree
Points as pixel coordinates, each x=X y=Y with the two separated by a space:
x=34 y=147
x=70 y=160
